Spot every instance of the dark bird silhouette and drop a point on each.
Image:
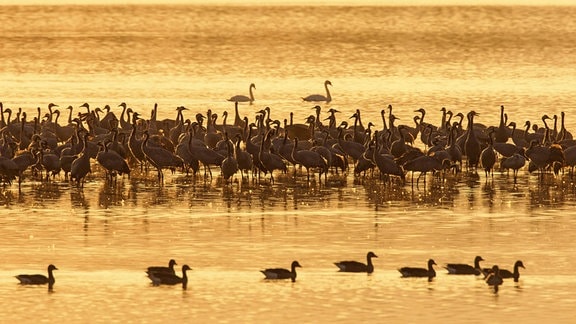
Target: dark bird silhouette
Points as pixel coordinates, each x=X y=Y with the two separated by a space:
x=494 y=278
x=112 y=162
x=563 y=134
x=207 y=157
x=539 y=155
x=167 y=278
x=124 y=122
x=280 y=273
x=430 y=273
x=502 y=133
x=488 y=158
x=183 y=151
x=351 y=148
x=23 y=161
x=506 y=149
x=385 y=164
x=309 y=159
x=80 y=166
x=270 y=161
x=399 y=146
x=244 y=158
x=465 y=269
x=175 y=132
x=570 y=158
x=229 y=165
x=355 y=266
x=423 y=164
x=472 y=148
x=515 y=162
x=8 y=169
x=49 y=161
x=135 y=143
x=38 y=279
x=507 y=274
x=160 y=157
x=169 y=268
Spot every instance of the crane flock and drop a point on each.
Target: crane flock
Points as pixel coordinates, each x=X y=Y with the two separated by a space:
x=258 y=147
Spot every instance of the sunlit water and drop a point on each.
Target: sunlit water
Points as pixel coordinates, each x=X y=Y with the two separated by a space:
x=103 y=237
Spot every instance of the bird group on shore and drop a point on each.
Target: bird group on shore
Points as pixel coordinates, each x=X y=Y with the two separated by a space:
x=43 y=148
x=166 y=275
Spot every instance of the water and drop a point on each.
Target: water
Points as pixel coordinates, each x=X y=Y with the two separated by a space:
x=103 y=237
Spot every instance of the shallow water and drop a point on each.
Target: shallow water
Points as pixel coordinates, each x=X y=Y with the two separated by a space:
x=102 y=237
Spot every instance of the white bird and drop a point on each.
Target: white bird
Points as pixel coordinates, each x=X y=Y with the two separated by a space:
x=318 y=97
x=243 y=98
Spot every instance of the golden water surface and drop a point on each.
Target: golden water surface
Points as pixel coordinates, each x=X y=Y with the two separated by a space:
x=103 y=237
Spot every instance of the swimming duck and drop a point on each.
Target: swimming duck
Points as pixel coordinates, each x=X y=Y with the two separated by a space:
x=355 y=266
x=494 y=278
x=38 y=279
x=168 y=269
x=280 y=273
x=167 y=278
x=465 y=269
x=419 y=272
x=507 y=274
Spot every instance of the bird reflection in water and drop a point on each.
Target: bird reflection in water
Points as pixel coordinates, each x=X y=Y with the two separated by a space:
x=159 y=196
x=47 y=191
x=312 y=194
x=472 y=179
x=549 y=193
x=78 y=199
x=110 y=195
x=7 y=198
x=440 y=191
x=488 y=194
x=292 y=192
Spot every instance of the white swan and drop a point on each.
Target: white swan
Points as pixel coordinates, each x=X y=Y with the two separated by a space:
x=243 y=98
x=318 y=97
